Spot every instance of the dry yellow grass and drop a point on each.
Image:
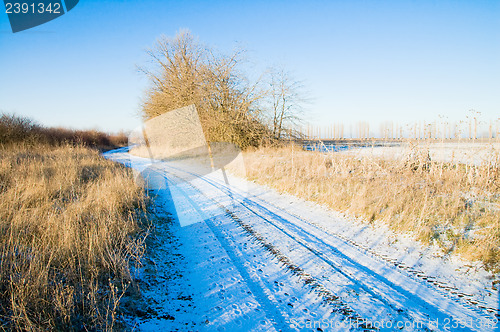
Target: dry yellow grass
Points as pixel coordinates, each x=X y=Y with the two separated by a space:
x=68 y=237
x=456 y=206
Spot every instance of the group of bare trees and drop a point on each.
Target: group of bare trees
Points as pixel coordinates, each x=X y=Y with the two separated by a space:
x=286 y=101
x=472 y=129
x=231 y=108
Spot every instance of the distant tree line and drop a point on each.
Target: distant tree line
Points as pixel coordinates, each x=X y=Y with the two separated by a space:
x=21 y=130
x=472 y=128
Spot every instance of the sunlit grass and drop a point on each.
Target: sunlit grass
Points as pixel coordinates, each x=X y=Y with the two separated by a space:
x=68 y=235
x=453 y=205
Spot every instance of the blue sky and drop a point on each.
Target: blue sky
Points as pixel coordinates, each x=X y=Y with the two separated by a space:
x=373 y=61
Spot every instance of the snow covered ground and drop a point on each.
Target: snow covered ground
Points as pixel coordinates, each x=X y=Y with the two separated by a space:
x=454 y=152
x=229 y=255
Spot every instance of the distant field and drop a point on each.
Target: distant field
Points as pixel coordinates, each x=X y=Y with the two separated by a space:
x=450 y=152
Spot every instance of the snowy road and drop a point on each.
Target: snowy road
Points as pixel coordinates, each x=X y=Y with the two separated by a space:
x=239 y=257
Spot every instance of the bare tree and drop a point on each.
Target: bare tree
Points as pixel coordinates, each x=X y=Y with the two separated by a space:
x=286 y=101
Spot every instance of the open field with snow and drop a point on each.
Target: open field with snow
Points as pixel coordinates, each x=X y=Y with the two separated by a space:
x=451 y=152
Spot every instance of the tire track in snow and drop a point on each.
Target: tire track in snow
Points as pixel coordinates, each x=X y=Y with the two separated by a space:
x=407 y=298
x=256 y=286
x=446 y=290
x=300 y=231
x=308 y=280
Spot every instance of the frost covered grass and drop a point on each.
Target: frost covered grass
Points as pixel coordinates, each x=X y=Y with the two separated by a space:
x=69 y=235
x=456 y=206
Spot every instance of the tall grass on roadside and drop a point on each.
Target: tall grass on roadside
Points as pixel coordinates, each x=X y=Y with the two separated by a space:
x=68 y=236
x=454 y=205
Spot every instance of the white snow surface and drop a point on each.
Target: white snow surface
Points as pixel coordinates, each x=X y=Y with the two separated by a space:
x=236 y=256
x=454 y=152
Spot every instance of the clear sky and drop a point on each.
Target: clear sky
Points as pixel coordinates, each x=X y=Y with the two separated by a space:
x=374 y=61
